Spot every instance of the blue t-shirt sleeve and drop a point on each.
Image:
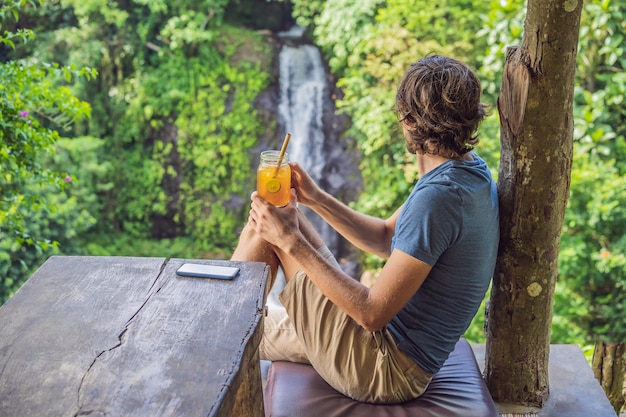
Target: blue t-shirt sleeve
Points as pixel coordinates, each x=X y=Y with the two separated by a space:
x=429 y=223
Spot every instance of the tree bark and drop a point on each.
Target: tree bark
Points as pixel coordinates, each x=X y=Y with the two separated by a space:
x=609 y=366
x=536 y=120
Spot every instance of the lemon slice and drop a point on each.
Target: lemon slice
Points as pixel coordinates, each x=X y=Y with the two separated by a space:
x=272 y=186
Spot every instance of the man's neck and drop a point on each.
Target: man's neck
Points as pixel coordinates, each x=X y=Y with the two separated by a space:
x=428 y=162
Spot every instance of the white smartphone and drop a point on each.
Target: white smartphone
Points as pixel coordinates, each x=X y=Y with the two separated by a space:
x=207 y=271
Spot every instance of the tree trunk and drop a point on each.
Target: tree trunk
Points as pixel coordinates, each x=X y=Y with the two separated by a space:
x=536 y=122
x=609 y=366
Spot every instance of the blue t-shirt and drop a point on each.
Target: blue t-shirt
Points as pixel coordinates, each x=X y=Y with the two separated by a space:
x=450 y=221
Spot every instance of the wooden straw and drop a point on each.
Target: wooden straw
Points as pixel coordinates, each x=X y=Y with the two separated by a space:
x=282 y=153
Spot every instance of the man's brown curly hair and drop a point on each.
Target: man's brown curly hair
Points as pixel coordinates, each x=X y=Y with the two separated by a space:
x=438 y=100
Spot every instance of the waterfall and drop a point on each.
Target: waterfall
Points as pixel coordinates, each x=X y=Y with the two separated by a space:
x=303 y=96
x=302 y=90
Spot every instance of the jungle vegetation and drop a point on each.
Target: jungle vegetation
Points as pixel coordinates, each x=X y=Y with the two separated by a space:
x=124 y=127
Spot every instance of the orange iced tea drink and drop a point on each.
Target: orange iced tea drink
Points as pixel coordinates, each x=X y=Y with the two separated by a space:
x=274 y=182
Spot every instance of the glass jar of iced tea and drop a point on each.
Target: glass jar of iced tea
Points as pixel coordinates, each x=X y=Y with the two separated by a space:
x=273 y=181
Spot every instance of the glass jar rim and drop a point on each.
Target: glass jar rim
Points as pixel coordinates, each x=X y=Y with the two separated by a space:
x=271 y=156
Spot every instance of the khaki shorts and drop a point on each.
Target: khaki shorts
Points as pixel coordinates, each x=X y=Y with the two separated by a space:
x=365 y=366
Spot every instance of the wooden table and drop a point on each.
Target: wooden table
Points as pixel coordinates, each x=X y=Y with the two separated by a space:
x=118 y=336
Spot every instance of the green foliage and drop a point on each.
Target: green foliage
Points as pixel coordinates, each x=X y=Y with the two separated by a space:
x=503 y=27
x=476 y=331
x=30 y=100
x=164 y=152
x=174 y=108
x=174 y=116
x=179 y=247
x=384 y=37
x=377 y=41
x=35 y=102
x=67 y=218
x=601 y=88
x=306 y=11
x=591 y=262
x=587 y=279
x=204 y=122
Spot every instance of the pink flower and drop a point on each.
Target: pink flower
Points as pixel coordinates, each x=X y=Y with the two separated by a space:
x=68 y=178
x=605 y=254
x=22 y=113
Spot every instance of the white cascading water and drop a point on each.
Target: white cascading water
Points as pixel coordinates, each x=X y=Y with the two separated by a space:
x=302 y=90
x=303 y=86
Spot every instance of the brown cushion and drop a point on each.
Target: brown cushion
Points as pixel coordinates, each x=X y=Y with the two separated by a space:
x=457 y=390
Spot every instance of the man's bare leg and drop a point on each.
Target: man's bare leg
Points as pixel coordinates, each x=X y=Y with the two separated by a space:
x=280 y=341
x=252 y=248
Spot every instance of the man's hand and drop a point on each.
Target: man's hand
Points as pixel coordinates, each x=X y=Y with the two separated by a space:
x=306 y=189
x=277 y=225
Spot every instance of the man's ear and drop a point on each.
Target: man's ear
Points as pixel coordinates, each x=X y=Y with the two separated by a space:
x=409 y=124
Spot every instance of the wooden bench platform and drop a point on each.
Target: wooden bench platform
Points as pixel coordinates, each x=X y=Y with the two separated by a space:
x=457 y=390
x=118 y=336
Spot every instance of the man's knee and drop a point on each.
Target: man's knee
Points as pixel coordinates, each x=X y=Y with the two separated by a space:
x=251 y=246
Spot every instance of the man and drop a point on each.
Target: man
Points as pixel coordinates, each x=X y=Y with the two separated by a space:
x=384 y=344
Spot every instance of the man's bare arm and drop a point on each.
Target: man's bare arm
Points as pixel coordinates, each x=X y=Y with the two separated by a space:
x=368 y=233
x=372 y=308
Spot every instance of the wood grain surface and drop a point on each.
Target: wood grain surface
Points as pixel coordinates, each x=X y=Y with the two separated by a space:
x=121 y=336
